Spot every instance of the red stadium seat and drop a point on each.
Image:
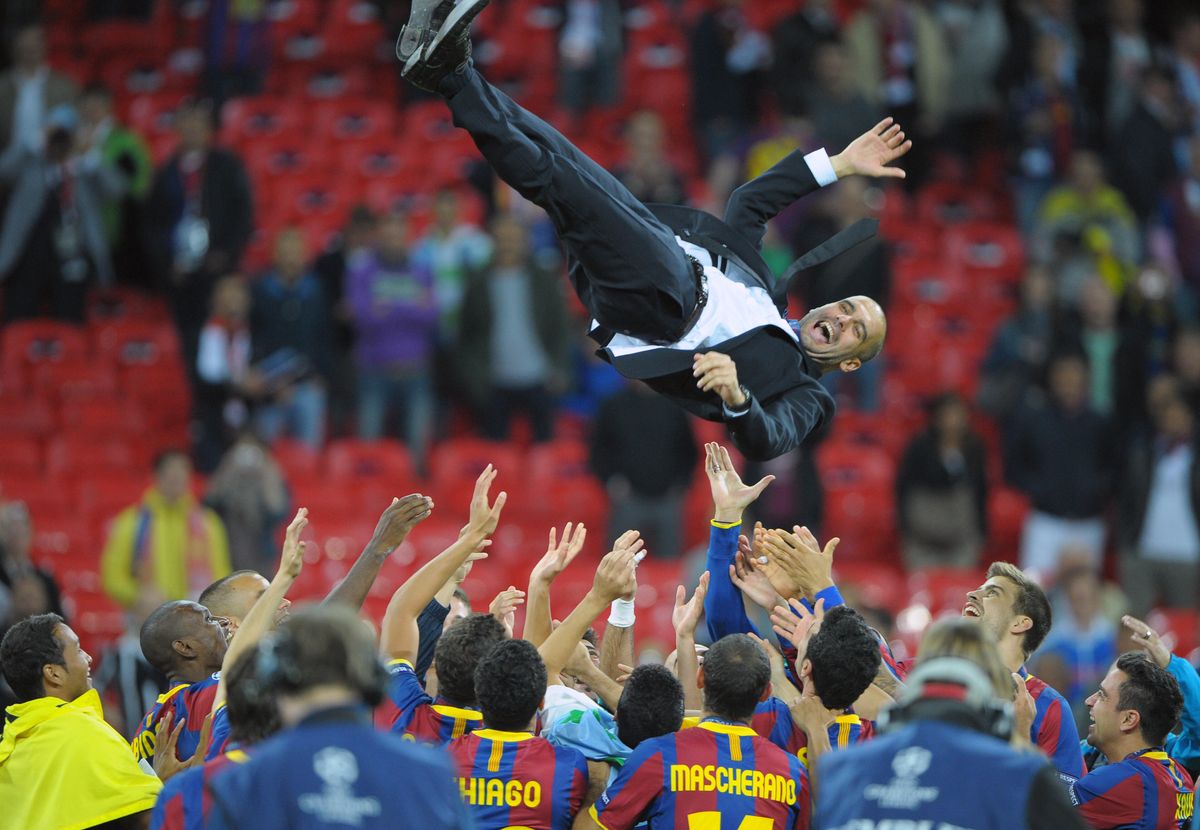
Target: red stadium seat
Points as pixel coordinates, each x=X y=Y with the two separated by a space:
x=244 y=119
x=989 y=250
x=943 y=589
x=75 y=380
x=850 y=466
x=36 y=342
x=33 y=418
x=124 y=38
x=70 y=456
x=385 y=459
x=136 y=342
x=352 y=29
x=463 y=459
x=295 y=457
x=20 y=455
x=153 y=116
x=104 y=417
x=291 y=20
x=352 y=120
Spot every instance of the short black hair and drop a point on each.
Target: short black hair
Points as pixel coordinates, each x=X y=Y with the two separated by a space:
x=219 y=591
x=736 y=673
x=253 y=717
x=1151 y=691
x=459 y=651
x=844 y=656
x=510 y=683
x=651 y=705
x=1030 y=601
x=161 y=458
x=159 y=633
x=27 y=648
x=591 y=636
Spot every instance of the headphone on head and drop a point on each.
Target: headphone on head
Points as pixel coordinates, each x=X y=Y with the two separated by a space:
x=279 y=671
x=946 y=685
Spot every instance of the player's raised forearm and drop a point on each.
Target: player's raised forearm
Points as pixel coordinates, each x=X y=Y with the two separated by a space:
x=556 y=650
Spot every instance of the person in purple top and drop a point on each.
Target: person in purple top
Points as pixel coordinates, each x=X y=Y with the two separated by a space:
x=395 y=316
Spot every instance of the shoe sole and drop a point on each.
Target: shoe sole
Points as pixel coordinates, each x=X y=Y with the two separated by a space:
x=419 y=18
x=455 y=24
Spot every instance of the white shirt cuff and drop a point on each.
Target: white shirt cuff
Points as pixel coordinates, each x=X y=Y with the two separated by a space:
x=729 y=413
x=822 y=169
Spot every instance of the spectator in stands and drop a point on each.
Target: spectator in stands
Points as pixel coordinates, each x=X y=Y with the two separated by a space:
x=1143 y=161
x=836 y=105
x=392 y=297
x=903 y=66
x=1092 y=330
x=728 y=59
x=589 y=55
x=249 y=494
x=1116 y=51
x=1020 y=347
x=1058 y=451
x=941 y=490
x=52 y=237
x=226 y=385
x=291 y=336
x=237 y=45
x=514 y=344
x=128 y=685
x=1185 y=52
x=452 y=248
x=797 y=495
x=61 y=765
x=1158 y=531
x=1084 y=637
x=167 y=546
x=33 y=590
x=866 y=269
x=121 y=150
x=199 y=217
x=1181 y=216
x=644 y=452
x=1149 y=319
x=1185 y=361
x=976 y=38
x=328 y=678
x=1085 y=226
x=355 y=240
x=646 y=170
x=30 y=91
x=795 y=41
x=952 y=724
x=1045 y=125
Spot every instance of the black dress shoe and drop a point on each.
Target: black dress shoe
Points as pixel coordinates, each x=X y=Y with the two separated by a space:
x=448 y=50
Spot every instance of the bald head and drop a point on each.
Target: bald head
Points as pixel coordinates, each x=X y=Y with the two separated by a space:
x=842 y=336
x=184 y=641
x=233 y=596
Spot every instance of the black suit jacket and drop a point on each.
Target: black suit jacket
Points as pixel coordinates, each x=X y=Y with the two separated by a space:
x=787 y=401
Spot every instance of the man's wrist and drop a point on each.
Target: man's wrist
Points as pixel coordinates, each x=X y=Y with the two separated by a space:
x=841 y=168
x=621 y=613
x=727 y=516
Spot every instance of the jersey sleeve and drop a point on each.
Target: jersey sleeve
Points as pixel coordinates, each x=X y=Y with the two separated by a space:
x=404 y=689
x=1184 y=747
x=168 y=809
x=636 y=787
x=802 y=812
x=1055 y=734
x=724 y=608
x=1108 y=797
x=219 y=736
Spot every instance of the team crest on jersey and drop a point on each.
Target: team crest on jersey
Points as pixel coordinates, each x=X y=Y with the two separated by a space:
x=904 y=792
x=337 y=803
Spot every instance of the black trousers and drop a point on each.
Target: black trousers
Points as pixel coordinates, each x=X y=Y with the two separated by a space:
x=630 y=273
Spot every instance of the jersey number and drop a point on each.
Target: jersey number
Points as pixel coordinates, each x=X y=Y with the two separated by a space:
x=711 y=820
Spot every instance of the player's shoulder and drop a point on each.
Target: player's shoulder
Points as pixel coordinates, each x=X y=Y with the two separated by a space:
x=1110 y=775
x=1039 y=689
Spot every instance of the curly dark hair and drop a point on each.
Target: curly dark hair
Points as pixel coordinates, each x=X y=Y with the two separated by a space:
x=459 y=651
x=736 y=673
x=844 y=656
x=510 y=683
x=26 y=649
x=651 y=705
x=1152 y=692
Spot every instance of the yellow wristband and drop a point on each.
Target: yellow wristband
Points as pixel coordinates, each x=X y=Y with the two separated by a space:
x=725 y=525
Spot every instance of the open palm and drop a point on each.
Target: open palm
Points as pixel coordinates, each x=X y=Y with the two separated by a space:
x=729 y=493
x=871 y=152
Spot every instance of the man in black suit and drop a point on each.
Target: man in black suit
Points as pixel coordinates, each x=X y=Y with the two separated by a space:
x=679 y=299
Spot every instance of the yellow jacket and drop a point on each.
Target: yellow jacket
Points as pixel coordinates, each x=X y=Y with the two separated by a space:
x=178 y=548
x=62 y=767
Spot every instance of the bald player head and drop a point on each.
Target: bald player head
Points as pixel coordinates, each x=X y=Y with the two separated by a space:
x=184 y=641
x=233 y=596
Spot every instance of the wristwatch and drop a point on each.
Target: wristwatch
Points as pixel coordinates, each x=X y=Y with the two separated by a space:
x=745 y=404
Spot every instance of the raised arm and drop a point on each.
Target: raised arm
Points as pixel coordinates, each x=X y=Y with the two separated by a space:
x=261 y=617
x=394 y=525
x=616 y=643
x=761 y=199
x=1183 y=746
x=400 y=636
x=685 y=618
x=724 y=608
x=614 y=577
x=559 y=554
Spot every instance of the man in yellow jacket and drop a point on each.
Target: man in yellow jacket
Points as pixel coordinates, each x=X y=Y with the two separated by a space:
x=61 y=766
x=166 y=547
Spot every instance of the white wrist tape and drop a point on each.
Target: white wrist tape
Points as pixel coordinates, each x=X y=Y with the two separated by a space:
x=621 y=614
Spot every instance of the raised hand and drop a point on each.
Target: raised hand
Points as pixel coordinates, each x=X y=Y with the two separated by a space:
x=616 y=575
x=686 y=615
x=753 y=582
x=559 y=553
x=1147 y=637
x=485 y=515
x=795 y=623
x=871 y=152
x=730 y=496
x=504 y=606
x=795 y=562
x=291 y=560
x=398 y=520
x=716 y=372
x=778 y=667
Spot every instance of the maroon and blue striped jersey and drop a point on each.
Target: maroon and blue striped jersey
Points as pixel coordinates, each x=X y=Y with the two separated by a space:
x=715 y=775
x=421 y=718
x=193 y=702
x=1146 y=790
x=1053 y=728
x=516 y=779
x=773 y=721
x=184 y=802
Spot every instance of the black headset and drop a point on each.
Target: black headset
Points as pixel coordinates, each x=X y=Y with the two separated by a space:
x=993 y=715
x=278 y=670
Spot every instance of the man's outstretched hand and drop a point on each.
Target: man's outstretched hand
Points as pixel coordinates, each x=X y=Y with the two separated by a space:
x=716 y=372
x=730 y=495
x=400 y=517
x=871 y=152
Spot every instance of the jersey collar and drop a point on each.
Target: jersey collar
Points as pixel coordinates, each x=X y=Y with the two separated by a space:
x=722 y=727
x=501 y=735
